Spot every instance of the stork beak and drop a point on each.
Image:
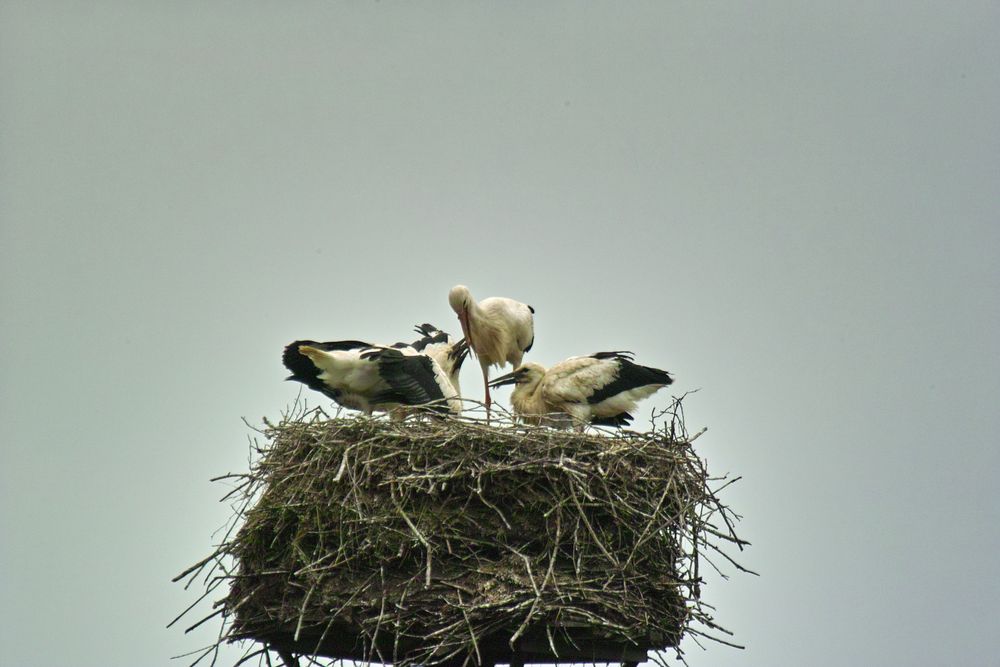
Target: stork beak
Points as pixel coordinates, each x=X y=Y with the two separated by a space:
x=463 y=319
x=510 y=378
x=460 y=350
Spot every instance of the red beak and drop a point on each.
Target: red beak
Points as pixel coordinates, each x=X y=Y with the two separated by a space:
x=463 y=319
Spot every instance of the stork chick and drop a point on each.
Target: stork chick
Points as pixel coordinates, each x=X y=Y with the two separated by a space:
x=600 y=389
x=442 y=348
x=368 y=377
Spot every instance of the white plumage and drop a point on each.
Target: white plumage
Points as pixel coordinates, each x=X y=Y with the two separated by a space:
x=499 y=330
x=368 y=377
x=600 y=389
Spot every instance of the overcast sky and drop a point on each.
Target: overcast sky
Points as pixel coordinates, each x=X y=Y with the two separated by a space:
x=791 y=206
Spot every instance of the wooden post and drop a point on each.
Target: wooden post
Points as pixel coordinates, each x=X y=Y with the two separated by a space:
x=287 y=658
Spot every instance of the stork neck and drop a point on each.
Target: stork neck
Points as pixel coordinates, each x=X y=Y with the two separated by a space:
x=475 y=310
x=527 y=398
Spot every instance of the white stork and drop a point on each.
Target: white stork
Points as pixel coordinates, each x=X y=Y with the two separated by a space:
x=499 y=330
x=600 y=389
x=367 y=377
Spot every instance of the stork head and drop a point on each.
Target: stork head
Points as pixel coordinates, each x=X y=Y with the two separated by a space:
x=529 y=374
x=459 y=297
x=460 y=300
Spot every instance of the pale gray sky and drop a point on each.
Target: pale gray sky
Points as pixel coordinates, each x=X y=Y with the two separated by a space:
x=792 y=206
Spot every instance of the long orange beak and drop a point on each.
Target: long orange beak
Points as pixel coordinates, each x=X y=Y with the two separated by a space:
x=463 y=319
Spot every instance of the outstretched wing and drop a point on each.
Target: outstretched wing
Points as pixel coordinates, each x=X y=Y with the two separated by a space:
x=413 y=379
x=304 y=370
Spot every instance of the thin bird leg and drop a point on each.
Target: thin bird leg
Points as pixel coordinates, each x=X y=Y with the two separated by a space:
x=486 y=382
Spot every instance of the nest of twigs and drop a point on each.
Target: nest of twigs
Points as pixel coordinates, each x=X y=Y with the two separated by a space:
x=452 y=541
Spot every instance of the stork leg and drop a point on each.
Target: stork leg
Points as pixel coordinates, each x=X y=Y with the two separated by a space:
x=486 y=383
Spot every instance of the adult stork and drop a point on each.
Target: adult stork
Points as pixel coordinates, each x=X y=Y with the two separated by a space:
x=499 y=330
x=600 y=389
x=366 y=377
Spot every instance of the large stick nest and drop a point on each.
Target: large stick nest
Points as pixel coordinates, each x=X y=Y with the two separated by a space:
x=432 y=541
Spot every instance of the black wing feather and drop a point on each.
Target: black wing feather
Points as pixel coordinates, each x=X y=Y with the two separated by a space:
x=410 y=378
x=615 y=421
x=630 y=376
x=430 y=335
x=617 y=354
